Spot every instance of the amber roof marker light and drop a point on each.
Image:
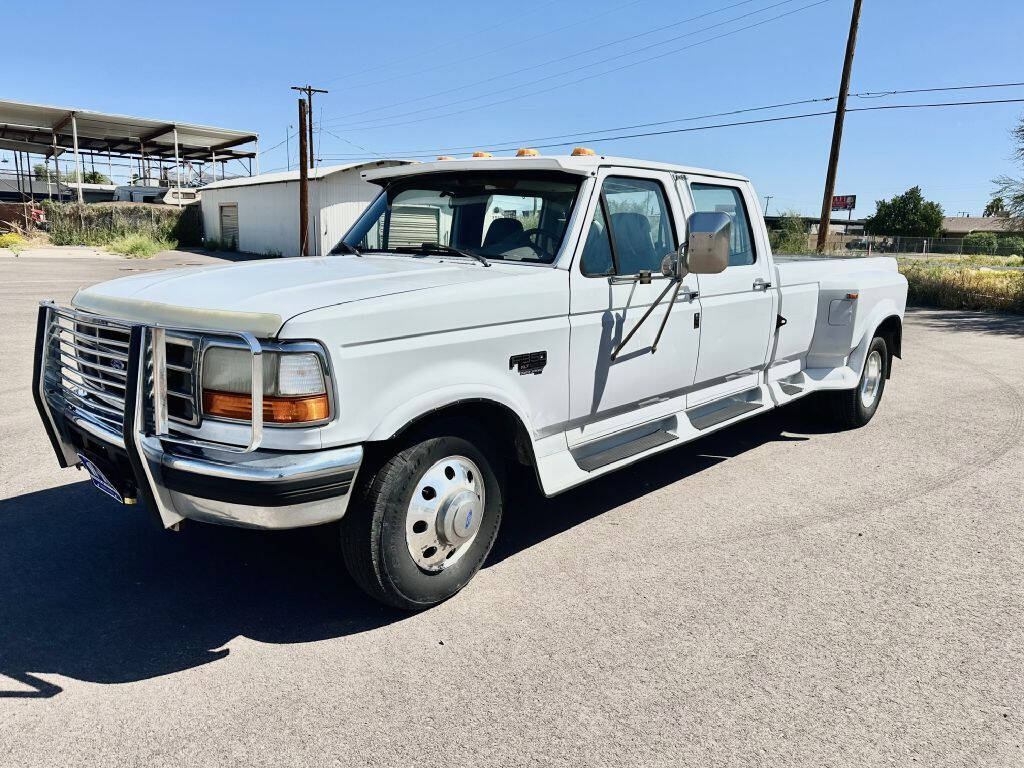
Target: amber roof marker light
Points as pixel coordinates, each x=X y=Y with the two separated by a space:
x=582 y=152
x=482 y=154
x=527 y=152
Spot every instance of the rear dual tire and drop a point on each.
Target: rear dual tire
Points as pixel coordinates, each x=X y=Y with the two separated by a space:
x=426 y=519
x=853 y=408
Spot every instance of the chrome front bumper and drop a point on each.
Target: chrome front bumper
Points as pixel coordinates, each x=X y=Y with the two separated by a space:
x=262 y=489
x=251 y=488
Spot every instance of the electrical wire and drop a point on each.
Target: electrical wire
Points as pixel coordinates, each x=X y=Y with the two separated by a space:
x=584 y=52
x=496 y=25
x=761 y=121
x=591 y=76
x=491 y=51
x=499 y=146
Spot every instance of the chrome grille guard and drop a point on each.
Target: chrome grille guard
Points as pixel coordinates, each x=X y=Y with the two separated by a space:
x=145 y=353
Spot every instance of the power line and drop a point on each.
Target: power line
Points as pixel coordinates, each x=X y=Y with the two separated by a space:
x=571 y=70
x=591 y=76
x=450 y=42
x=761 y=121
x=584 y=52
x=491 y=51
x=576 y=136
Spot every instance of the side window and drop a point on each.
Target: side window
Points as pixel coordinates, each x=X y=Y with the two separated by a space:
x=631 y=231
x=709 y=198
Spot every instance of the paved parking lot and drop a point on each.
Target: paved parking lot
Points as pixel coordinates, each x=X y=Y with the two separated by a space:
x=771 y=595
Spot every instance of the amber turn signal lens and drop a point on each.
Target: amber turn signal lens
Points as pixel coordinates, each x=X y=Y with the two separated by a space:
x=276 y=410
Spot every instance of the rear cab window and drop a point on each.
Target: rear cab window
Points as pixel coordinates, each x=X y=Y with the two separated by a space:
x=715 y=198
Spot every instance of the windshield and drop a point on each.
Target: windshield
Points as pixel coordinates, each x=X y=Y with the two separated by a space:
x=510 y=216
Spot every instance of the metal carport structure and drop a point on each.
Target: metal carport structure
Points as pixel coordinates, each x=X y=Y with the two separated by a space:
x=51 y=131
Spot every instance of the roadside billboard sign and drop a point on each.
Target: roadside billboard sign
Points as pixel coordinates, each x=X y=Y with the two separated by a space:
x=844 y=202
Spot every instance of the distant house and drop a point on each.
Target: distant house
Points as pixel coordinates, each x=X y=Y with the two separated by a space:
x=959 y=226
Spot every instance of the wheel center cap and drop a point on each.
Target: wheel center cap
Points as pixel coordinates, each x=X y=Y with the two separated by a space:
x=460 y=518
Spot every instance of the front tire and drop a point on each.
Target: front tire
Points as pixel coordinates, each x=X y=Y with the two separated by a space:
x=854 y=408
x=426 y=521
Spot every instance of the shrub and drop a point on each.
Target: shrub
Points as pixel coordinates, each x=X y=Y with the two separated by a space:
x=11 y=239
x=1012 y=245
x=791 y=236
x=97 y=224
x=980 y=242
x=138 y=246
x=964 y=288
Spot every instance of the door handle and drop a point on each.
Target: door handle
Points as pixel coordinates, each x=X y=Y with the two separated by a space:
x=689 y=295
x=761 y=284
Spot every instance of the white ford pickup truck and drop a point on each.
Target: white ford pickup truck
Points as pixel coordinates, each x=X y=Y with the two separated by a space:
x=573 y=314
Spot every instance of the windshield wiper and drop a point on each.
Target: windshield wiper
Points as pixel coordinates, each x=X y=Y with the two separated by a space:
x=347 y=248
x=457 y=251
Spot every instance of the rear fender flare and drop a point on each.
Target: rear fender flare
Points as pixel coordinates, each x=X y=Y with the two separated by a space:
x=882 y=312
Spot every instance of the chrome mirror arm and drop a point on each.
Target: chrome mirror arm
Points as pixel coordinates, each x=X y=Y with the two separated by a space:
x=673 y=281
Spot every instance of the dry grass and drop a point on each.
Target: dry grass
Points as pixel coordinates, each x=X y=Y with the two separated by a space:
x=956 y=287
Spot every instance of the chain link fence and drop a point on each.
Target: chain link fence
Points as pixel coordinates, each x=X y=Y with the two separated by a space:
x=858 y=245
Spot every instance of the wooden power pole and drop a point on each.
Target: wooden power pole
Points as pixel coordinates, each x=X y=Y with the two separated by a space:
x=303 y=184
x=309 y=90
x=837 y=132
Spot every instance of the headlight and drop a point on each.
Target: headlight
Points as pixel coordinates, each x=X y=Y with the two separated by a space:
x=294 y=386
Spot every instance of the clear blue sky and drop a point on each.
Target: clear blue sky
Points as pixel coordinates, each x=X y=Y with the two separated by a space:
x=230 y=64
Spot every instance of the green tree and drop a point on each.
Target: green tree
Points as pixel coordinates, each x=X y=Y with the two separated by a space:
x=42 y=172
x=996 y=207
x=89 y=177
x=906 y=215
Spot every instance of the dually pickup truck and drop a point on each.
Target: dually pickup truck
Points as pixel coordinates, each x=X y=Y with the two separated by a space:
x=562 y=316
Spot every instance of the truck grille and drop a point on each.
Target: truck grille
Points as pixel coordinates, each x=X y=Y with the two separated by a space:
x=87 y=367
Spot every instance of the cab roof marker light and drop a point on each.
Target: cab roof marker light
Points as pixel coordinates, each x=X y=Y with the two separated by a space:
x=482 y=154
x=527 y=152
x=582 y=152
x=445 y=157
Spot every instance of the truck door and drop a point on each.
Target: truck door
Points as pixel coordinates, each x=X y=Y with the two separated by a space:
x=736 y=306
x=632 y=223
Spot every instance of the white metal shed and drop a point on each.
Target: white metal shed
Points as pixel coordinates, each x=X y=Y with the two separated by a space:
x=260 y=214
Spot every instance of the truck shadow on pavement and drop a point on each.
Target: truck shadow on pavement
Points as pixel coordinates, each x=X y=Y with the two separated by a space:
x=95 y=592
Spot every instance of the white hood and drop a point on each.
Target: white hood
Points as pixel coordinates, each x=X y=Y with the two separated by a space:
x=260 y=296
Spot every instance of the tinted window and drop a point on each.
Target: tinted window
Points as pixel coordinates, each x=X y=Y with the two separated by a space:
x=631 y=231
x=710 y=198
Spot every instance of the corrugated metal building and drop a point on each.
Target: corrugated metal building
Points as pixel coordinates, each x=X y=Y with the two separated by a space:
x=260 y=214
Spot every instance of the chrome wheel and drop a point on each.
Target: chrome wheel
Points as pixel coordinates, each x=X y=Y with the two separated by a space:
x=871 y=382
x=444 y=513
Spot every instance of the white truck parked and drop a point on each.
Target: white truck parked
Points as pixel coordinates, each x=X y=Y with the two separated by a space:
x=573 y=314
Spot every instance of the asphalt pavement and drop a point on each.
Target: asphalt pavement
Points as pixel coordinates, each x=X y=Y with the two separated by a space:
x=773 y=595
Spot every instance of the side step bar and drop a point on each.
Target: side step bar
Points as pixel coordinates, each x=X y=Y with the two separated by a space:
x=623 y=445
x=727 y=408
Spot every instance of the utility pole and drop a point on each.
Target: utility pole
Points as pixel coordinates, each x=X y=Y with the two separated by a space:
x=767 y=199
x=309 y=90
x=303 y=184
x=837 y=132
